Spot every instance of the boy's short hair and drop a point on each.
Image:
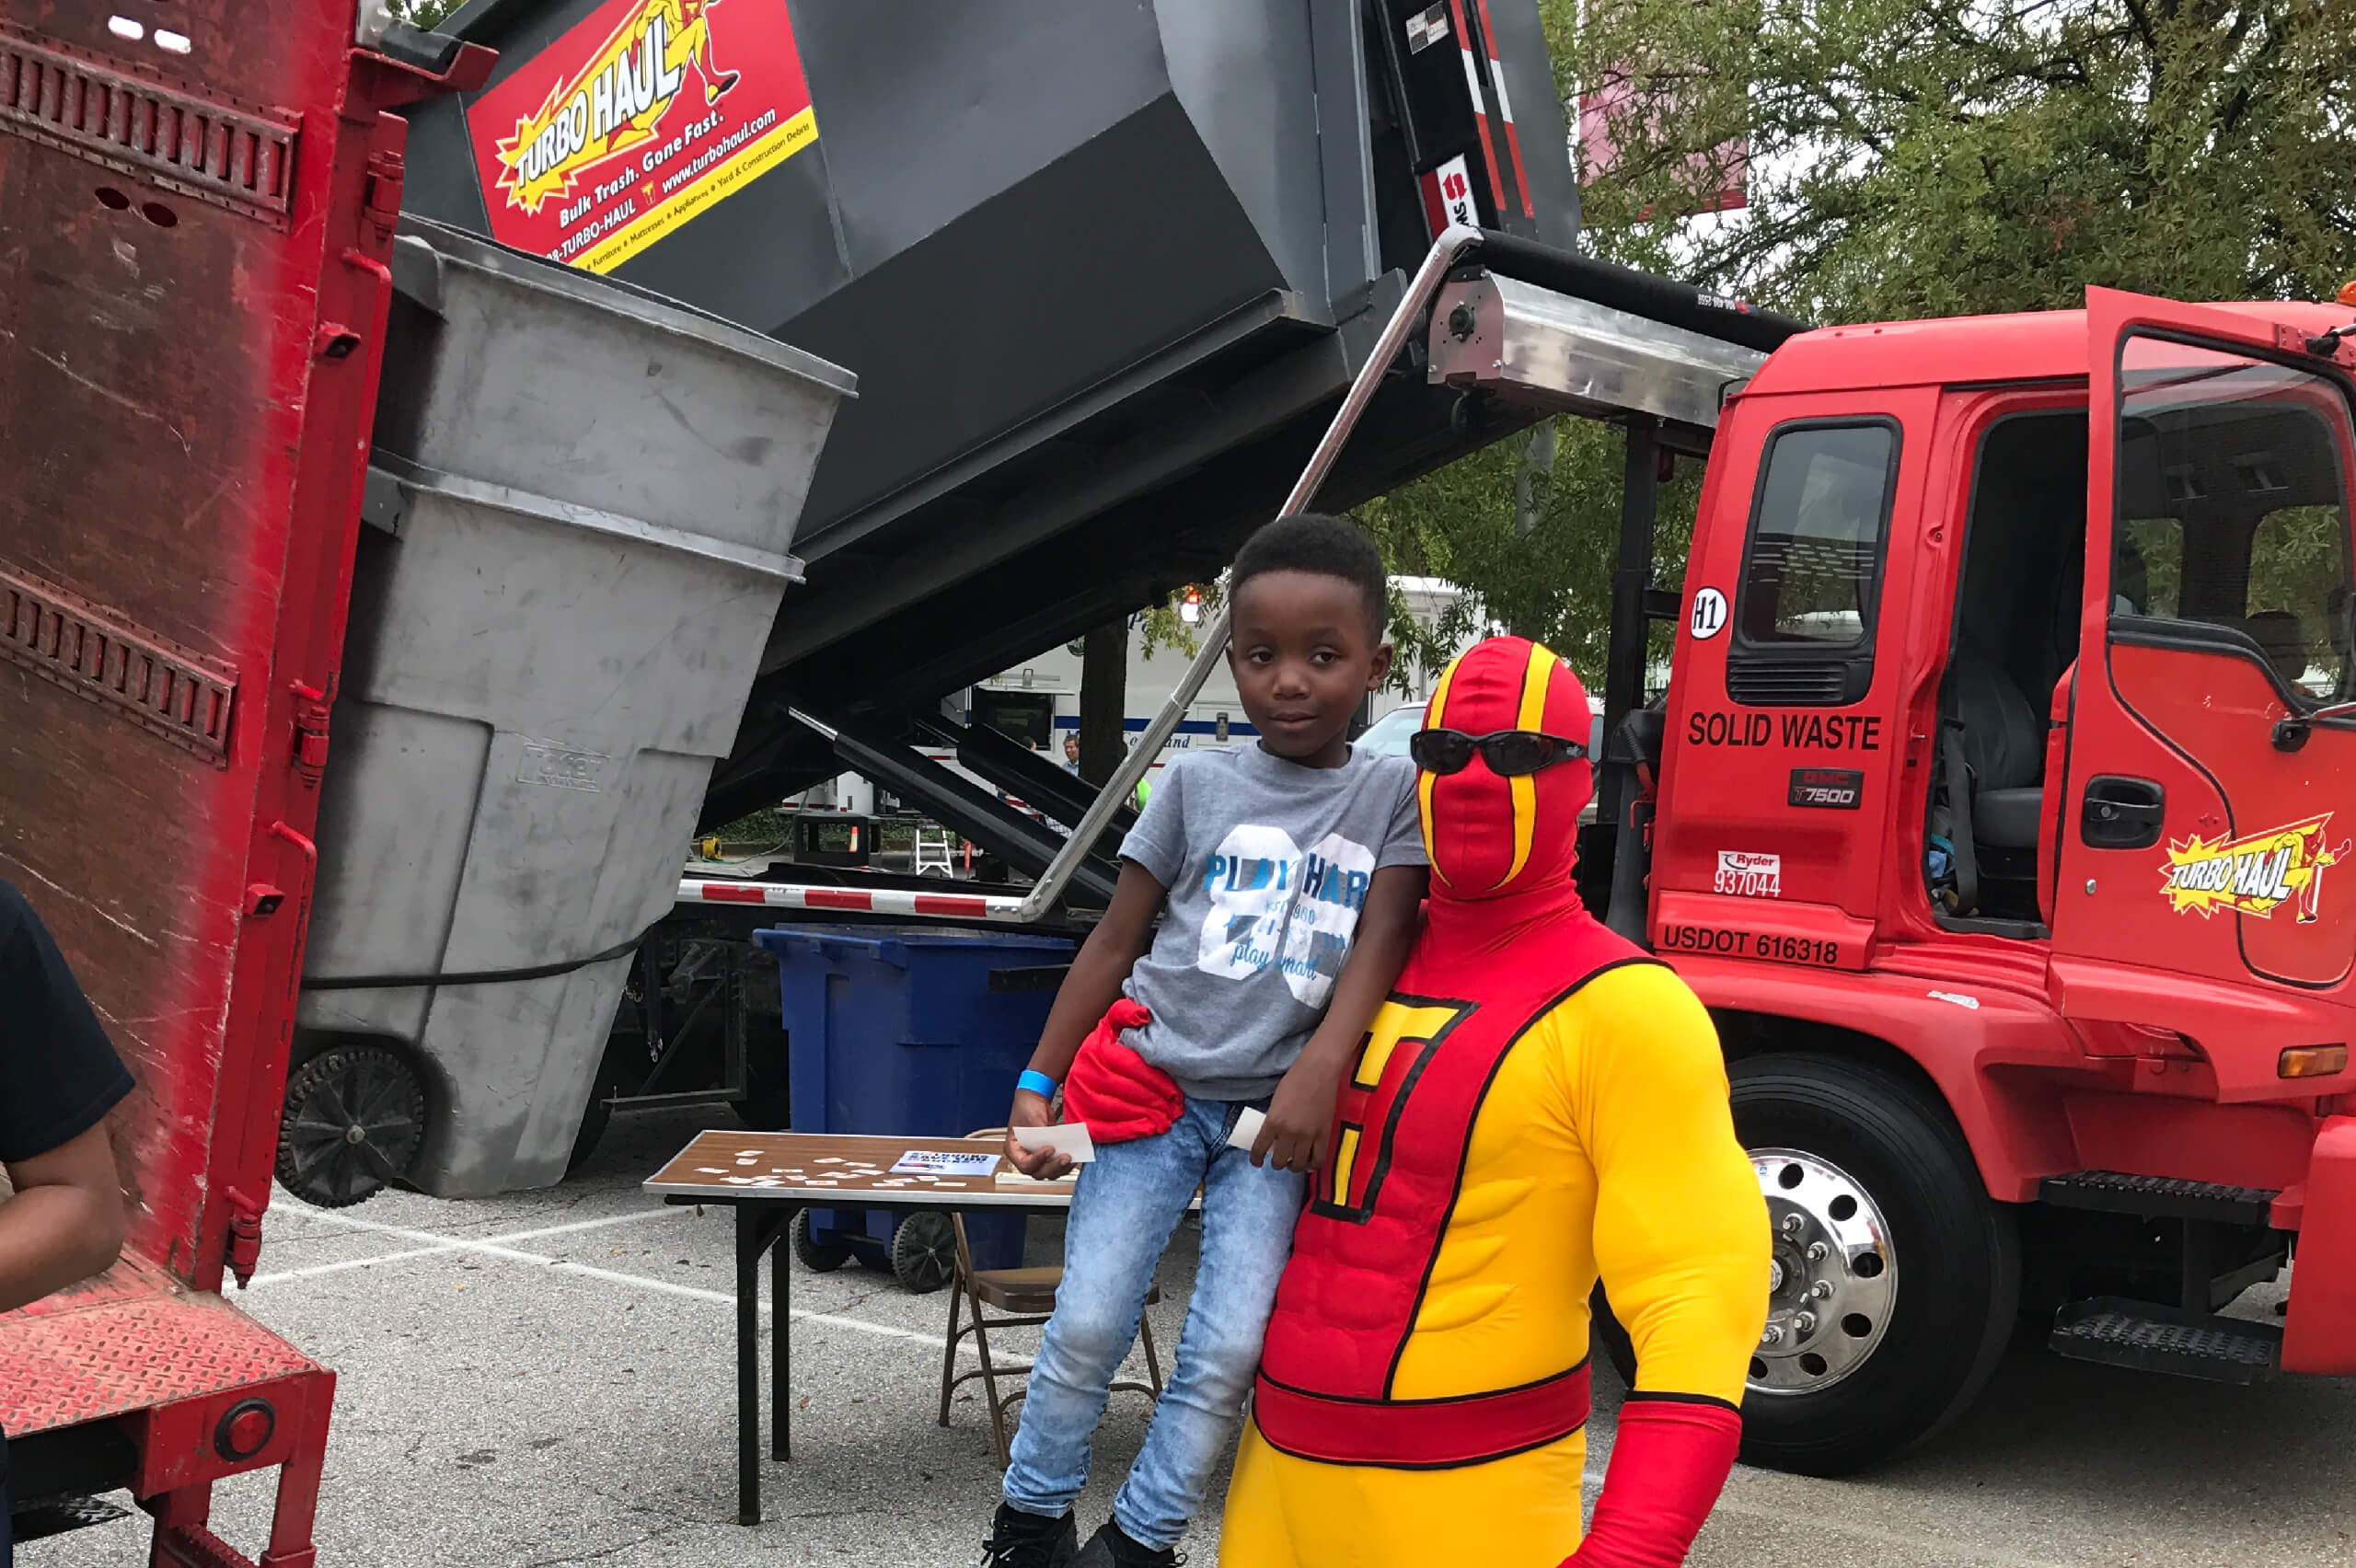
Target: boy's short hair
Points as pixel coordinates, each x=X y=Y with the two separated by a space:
x=1329 y=546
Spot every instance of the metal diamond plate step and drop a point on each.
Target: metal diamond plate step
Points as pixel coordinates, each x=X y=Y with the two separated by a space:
x=2115 y=1191
x=2152 y=1338
x=129 y=1340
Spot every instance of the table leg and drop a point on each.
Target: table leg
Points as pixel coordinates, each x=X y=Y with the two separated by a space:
x=781 y=1342
x=748 y=1365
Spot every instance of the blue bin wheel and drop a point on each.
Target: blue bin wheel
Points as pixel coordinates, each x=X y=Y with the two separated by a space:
x=924 y=1252
x=818 y=1257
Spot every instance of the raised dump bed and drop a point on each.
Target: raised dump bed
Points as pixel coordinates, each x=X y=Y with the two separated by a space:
x=1102 y=270
x=578 y=511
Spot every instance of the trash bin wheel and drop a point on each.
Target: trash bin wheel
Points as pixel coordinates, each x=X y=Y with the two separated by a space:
x=924 y=1252
x=816 y=1256
x=354 y=1117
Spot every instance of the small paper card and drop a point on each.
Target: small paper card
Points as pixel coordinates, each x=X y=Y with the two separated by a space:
x=1247 y=1129
x=1070 y=1140
x=936 y=1162
x=1011 y=1177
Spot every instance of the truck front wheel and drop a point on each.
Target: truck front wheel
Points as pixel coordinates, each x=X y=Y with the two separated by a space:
x=1895 y=1276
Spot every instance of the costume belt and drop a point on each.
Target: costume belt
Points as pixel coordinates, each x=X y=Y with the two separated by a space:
x=1466 y=1429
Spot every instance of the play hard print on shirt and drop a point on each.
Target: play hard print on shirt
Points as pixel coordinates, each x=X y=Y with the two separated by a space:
x=1273 y=906
x=1267 y=864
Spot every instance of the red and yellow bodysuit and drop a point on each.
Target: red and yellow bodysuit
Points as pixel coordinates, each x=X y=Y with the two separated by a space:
x=1538 y=1103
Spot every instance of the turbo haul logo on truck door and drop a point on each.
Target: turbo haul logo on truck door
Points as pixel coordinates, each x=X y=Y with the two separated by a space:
x=643 y=114
x=2256 y=875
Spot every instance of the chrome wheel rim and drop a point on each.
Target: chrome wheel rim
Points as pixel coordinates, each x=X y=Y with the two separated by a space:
x=1832 y=1281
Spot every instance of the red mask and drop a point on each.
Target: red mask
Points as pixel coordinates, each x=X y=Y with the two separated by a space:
x=1489 y=836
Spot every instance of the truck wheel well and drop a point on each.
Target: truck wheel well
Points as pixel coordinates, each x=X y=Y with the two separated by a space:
x=1744 y=1034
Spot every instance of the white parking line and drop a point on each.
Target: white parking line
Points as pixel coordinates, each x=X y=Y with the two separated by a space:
x=443 y=1245
x=432 y=1242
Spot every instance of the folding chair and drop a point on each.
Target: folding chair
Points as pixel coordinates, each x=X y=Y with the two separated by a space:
x=1023 y=1298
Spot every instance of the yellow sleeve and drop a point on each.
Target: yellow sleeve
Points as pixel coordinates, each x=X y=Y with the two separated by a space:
x=1680 y=1229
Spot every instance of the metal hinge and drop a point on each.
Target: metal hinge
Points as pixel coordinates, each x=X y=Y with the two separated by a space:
x=382 y=195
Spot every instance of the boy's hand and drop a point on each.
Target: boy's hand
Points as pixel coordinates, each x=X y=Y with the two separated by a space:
x=1030 y=1109
x=1300 y=1117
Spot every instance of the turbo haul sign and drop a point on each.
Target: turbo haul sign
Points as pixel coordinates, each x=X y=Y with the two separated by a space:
x=640 y=116
x=2256 y=875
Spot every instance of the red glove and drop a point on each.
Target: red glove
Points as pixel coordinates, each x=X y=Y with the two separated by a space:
x=1117 y=1092
x=1667 y=1464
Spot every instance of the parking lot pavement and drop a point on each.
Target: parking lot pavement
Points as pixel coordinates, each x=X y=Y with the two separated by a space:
x=547 y=1379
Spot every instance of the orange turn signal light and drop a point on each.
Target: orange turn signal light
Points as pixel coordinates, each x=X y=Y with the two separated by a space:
x=2348 y=292
x=2312 y=1061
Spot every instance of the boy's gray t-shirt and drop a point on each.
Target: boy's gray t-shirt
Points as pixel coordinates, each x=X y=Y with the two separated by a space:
x=1267 y=863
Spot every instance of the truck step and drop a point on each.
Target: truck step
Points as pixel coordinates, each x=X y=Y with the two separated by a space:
x=2152 y=1338
x=2169 y=1197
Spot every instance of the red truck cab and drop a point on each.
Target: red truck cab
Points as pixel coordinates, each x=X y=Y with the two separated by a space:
x=2005 y=809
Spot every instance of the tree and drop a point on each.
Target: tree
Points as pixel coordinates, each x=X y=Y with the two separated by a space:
x=427 y=13
x=1909 y=158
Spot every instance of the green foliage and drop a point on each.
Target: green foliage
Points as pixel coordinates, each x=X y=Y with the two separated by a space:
x=1909 y=158
x=427 y=13
x=1164 y=626
x=1929 y=157
x=1552 y=584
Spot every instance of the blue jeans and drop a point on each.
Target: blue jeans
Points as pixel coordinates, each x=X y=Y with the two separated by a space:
x=1127 y=1203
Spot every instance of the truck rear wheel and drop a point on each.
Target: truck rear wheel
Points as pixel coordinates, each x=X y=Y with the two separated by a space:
x=1895 y=1278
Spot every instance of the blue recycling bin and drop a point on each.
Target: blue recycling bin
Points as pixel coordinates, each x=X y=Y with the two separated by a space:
x=915 y=1030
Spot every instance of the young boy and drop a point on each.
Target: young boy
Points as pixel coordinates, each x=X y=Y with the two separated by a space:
x=1286 y=876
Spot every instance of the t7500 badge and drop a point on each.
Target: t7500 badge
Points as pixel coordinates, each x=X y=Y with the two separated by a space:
x=1827 y=788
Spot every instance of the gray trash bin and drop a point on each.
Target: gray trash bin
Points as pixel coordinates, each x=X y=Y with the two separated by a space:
x=580 y=499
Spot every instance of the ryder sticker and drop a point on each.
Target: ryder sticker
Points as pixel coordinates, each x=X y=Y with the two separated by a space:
x=2253 y=875
x=1746 y=875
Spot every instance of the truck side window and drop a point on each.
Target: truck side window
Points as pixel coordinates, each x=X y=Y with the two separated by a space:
x=2233 y=514
x=1804 y=619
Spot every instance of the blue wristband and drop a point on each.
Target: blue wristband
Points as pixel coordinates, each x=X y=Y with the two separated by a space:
x=1037 y=1083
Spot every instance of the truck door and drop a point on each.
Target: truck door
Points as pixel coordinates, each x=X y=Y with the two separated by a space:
x=1777 y=800
x=2212 y=778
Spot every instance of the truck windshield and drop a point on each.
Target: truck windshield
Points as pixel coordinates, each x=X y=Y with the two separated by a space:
x=2232 y=509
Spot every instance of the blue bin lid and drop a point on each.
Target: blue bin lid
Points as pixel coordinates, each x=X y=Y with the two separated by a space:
x=785 y=939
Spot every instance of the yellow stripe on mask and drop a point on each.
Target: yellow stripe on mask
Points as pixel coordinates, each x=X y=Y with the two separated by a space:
x=1424 y=781
x=1532 y=716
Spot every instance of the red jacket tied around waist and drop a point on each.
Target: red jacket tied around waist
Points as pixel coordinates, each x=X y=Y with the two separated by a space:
x=1117 y=1092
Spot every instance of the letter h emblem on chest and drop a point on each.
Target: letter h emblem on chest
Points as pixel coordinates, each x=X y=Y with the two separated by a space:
x=1406 y=1035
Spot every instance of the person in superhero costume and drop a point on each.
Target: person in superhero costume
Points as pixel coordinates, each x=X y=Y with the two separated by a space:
x=1538 y=1103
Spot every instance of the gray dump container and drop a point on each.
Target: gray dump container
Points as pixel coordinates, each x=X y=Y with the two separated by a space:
x=580 y=503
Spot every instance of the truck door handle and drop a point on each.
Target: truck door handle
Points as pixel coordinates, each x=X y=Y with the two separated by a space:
x=2122 y=814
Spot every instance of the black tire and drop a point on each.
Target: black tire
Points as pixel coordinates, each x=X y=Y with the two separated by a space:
x=924 y=1252
x=816 y=1258
x=352 y=1123
x=1953 y=1263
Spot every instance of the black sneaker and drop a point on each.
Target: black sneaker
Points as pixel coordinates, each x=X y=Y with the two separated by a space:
x=1029 y=1540
x=1111 y=1548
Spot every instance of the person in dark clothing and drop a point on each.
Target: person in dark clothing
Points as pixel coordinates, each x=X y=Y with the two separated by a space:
x=59 y=1077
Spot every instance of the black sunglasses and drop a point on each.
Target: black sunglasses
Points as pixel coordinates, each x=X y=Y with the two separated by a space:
x=1511 y=754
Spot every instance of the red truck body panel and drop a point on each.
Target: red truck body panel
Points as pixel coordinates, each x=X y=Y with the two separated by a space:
x=192 y=294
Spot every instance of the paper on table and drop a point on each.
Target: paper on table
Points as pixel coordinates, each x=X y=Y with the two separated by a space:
x=1247 y=1129
x=942 y=1163
x=1070 y=1140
